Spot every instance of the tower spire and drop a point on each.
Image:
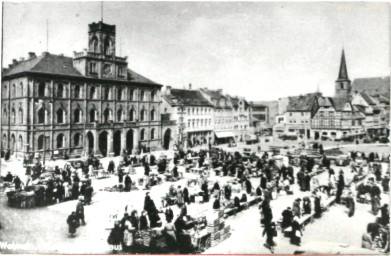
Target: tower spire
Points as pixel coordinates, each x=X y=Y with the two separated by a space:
x=343 y=72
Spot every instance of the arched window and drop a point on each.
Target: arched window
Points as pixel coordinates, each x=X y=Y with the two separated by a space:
x=142 y=95
x=142 y=134
x=132 y=114
x=13 y=94
x=20 y=115
x=92 y=92
x=77 y=139
x=77 y=115
x=41 y=116
x=142 y=115
x=131 y=94
x=77 y=92
x=108 y=46
x=107 y=115
x=153 y=94
x=60 y=116
x=94 y=44
x=20 y=143
x=41 y=90
x=60 y=91
x=13 y=116
x=4 y=141
x=106 y=94
x=153 y=114
x=92 y=115
x=41 y=139
x=119 y=94
x=21 y=89
x=5 y=116
x=152 y=133
x=60 y=141
x=119 y=115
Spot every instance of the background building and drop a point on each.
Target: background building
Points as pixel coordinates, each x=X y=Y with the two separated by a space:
x=57 y=105
x=241 y=118
x=223 y=115
x=194 y=114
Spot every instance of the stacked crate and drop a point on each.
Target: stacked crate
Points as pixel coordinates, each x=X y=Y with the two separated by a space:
x=216 y=227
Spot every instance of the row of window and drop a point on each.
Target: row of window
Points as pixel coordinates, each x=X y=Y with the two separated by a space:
x=240 y=118
x=199 y=123
x=240 y=127
x=198 y=111
x=13 y=116
x=107 y=93
x=93 y=115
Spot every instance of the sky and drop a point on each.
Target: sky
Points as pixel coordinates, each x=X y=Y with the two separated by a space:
x=256 y=50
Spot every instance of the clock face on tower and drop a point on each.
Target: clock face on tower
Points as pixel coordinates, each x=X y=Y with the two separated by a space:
x=107 y=70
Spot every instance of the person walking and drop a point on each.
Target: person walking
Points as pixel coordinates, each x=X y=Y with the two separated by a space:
x=73 y=223
x=351 y=204
x=270 y=231
x=80 y=211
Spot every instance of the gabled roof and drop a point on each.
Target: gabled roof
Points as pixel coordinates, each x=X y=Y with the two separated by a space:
x=59 y=65
x=372 y=86
x=359 y=108
x=367 y=98
x=181 y=97
x=302 y=103
x=235 y=101
x=216 y=97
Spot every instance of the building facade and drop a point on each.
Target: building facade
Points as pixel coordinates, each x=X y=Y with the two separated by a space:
x=194 y=114
x=222 y=115
x=336 y=118
x=376 y=111
x=241 y=118
x=91 y=103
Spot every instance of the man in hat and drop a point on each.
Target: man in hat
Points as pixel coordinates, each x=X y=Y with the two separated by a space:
x=80 y=210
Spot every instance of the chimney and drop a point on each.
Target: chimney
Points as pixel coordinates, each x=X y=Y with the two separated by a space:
x=190 y=86
x=220 y=90
x=45 y=53
x=14 y=62
x=21 y=59
x=32 y=55
x=10 y=66
x=168 y=89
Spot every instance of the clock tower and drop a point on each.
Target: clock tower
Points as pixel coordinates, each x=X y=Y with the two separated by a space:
x=100 y=60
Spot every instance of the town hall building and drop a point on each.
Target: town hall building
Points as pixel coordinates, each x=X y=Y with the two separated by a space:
x=55 y=105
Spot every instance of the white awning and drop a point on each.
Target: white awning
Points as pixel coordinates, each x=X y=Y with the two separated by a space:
x=224 y=134
x=251 y=137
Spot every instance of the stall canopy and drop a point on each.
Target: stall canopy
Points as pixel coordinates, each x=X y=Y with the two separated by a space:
x=250 y=137
x=224 y=134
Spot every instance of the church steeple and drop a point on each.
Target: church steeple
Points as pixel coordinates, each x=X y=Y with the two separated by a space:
x=343 y=71
x=342 y=85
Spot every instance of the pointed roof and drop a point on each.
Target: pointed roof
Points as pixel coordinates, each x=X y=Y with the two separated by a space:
x=343 y=72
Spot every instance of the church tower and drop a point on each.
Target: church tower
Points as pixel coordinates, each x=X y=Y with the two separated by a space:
x=343 y=84
x=100 y=60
